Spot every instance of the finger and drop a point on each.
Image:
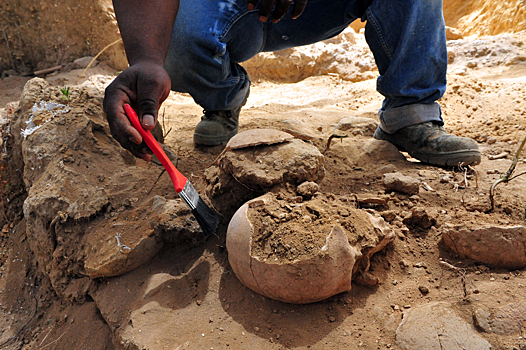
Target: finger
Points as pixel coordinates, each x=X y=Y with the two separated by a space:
x=120 y=125
x=281 y=10
x=147 y=107
x=265 y=7
x=251 y=4
x=146 y=157
x=298 y=8
x=151 y=92
x=124 y=132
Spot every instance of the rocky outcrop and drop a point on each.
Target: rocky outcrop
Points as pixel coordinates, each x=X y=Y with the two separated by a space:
x=87 y=213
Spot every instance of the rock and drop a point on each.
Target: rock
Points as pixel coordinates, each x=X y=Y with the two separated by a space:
x=256 y=137
x=389 y=168
x=251 y=172
x=299 y=129
x=369 y=201
x=82 y=214
x=294 y=162
x=366 y=279
x=382 y=150
x=506 y=320
x=460 y=71
x=112 y=255
x=496 y=246
x=363 y=152
x=77 y=289
x=175 y=220
x=159 y=221
x=388 y=215
x=481 y=319
x=401 y=183
x=435 y=326
x=82 y=63
x=453 y=33
x=10 y=73
x=421 y=217
x=307 y=188
x=365 y=125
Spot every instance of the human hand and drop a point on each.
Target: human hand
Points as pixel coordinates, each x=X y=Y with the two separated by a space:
x=144 y=86
x=281 y=9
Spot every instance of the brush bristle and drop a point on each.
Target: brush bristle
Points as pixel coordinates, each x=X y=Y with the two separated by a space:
x=206 y=217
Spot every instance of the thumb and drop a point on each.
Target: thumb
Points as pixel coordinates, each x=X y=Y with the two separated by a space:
x=148 y=121
x=152 y=90
x=147 y=112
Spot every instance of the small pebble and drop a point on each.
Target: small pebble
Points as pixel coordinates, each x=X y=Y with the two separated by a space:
x=423 y=289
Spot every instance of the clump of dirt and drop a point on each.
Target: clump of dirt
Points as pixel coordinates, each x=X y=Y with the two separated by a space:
x=241 y=174
x=297 y=229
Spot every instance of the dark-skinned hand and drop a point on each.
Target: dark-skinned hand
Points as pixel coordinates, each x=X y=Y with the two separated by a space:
x=144 y=86
x=282 y=7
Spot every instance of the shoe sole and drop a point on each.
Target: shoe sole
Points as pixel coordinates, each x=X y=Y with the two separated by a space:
x=450 y=159
x=207 y=140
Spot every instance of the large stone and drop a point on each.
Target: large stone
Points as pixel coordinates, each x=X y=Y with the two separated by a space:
x=381 y=150
x=505 y=320
x=435 y=326
x=401 y=183
x=245 y=173
x=497 y=246
x=295 y=162
x=86 y=213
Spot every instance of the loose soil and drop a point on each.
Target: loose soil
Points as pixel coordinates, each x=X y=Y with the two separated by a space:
x=289 y=230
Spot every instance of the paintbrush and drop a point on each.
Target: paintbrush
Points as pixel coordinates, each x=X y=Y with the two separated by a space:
x=205 y=216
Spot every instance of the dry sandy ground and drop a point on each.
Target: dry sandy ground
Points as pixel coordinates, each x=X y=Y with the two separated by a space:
x=187 y=297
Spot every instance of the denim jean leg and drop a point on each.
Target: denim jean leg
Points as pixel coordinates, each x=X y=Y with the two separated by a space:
x=199 y=60
x=407 y=38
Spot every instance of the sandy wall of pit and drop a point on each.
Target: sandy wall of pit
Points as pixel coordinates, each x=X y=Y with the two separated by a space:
x=483 y=17
x=36 y=35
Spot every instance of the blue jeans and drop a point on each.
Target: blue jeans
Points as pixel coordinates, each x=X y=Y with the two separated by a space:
x=407 y=37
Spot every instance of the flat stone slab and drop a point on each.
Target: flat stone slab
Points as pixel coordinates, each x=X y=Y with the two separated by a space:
x=497 y=246
x=435 y=326
x=505 y=320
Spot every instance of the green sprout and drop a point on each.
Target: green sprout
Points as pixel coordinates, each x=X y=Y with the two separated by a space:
x=65 y=93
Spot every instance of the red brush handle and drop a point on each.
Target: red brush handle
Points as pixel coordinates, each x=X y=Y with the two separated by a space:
x=178 y=179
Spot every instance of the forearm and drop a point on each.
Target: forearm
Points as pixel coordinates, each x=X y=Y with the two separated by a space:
x=146 y=27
